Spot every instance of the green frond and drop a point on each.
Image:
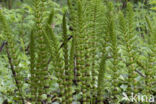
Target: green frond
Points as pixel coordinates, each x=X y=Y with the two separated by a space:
x=95 y=16
x=127 y=27
x=101 y=79
x=68 y=74
x=94 y=53
x=12 y=54
x=54 y=48
x=150 y=58
x=39 y=83
x=50 y=18
x=153 y=2
x=65 y=40
x=112 y=37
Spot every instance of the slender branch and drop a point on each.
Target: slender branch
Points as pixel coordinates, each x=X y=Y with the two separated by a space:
x=2 y=46
x=140 y=73
x=70 y=37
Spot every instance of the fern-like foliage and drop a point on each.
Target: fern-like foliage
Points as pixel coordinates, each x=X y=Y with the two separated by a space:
x=127 y=29
x=153 y=2
x=149 y=66
x=89 y=61
x=39 y=57
x=101 y=79
x=112 y=37
x=68 y=71
x=13 y=59
x=60 y=67
x=95 y=17
x=80 y=51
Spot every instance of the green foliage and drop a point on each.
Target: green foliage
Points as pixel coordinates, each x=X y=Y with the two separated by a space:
x=153 y=2
x=88 y=52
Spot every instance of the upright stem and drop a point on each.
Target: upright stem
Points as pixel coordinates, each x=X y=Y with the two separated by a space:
x=10 y=4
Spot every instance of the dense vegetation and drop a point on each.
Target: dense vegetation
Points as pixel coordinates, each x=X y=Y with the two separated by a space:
x=77 y=51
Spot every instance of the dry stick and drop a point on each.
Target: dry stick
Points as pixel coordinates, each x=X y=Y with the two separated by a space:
x=2 y=46
x=70 y=37
x=140 y=73
x=14 y=73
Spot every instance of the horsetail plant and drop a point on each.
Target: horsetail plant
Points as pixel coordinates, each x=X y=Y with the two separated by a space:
x=149 y=80
x=102 y=69
x=68 y=71
x=39 y=59
x=54 y=49
x=13 y=59
x=127 y=30
x=95 y=12
x=80 y=52
x=112 y=36
x=87 y=52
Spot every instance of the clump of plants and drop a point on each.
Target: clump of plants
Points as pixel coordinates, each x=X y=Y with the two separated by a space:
x=95 y=55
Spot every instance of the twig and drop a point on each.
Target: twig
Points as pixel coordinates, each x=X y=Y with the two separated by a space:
x=140 y=73
x=70 y=37
x=2 y=46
